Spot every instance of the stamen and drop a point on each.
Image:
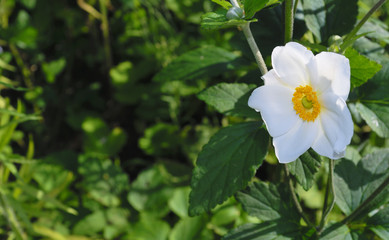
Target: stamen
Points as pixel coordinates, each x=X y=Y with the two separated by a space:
x=305 y=103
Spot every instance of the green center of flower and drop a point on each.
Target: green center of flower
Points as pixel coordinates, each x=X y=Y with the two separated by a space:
x=306 y=103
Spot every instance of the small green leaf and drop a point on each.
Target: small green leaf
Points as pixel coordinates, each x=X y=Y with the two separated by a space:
x=253 y=6
x=356 y=182
x=376 y=116
x=149 y=193
x=230 y=99
x=225 y=4
x=362 y=68
x=202 y=62
x=91 y=224
x=191 y=228
x=305 y=167
x=179 y=202
x=218 y=20
x=149 y=228
x=53 y=68
x=272 y=230
x=226 y=164
x=268 y=202
x=336 y=232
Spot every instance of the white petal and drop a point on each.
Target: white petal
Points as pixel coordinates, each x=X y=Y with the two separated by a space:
x=336 y=126
x=276 y=107
x=271 y=78
x=290 y=62
x=335 y=68
x=299 y=139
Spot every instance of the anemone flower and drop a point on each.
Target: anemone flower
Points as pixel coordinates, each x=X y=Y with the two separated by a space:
x=303 y=102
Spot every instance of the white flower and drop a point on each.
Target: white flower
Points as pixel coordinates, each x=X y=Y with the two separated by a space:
x=303 y=102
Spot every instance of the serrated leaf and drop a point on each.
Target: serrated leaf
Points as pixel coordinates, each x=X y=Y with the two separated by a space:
x=225 y=4
x=330 y=17
x=376 y=116
x=226 y=164
x=356 y=182
x=202 y=62
x=230 y=99
x=305 y=167
x=272 y=230
x=218 y=20
x=268 y=202
x=362 y=68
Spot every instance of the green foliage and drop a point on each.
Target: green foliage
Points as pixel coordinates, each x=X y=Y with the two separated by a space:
x=231 y=156
x=53 y=68
x=325 y=18
x=362 y=69
x=253 y=6
x=229 y=99
x=218 y=20
x=305 y=167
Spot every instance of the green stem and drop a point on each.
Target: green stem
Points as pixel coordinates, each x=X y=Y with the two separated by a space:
x=348 y=39
x=295 y=200
x=330 y=187
x=254 y=48
x=289 y=17
x=361 y=207
x=105 y=29
x=19 y=61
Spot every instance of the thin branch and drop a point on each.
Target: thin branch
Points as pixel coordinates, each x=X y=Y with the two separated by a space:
x=330 y=188
x=295 y=200
x=289 y=17
x=254 y=48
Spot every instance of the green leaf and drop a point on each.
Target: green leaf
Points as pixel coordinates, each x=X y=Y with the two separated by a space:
x=179 y=202
x=375 y=90
x=253 y=6
x=272 y=230
x=305 y=167
x=150 y=228
x=268 y=202
x=230 y=99
x=379 y=223
x=356 y=182
x=53 y=68
x=376 y=116
x=336 y=232
x=91 y=224
x=226 y=164
x=149 y=193
x=202 y=62
x=103 y=180
x=330 y=17
x=362 y=68
x=225 y=4
x=191 y=228
x=218 y=20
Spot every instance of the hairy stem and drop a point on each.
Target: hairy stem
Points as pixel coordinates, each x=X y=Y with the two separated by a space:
x=295 y=200
x=361 y=207
x=254 y=48
x=289 y=17
x=330 y=188
x=347 y=41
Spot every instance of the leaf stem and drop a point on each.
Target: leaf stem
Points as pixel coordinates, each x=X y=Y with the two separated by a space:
x=355 y=213
x=330 y=187
x=254 y=48
x=348 y=39
x=289 y=17
x=295 y=200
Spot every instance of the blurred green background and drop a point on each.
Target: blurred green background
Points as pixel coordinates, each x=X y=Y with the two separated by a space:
x=97 y=141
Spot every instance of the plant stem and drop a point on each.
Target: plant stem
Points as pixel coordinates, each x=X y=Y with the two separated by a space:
x=235 y=3
x=295 y=200
x=348 y=38
x=105 y=29
x=254 y=48
x=355 y=213
x=289 y=17
x=330 y=187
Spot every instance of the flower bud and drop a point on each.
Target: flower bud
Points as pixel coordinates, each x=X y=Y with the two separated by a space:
x=234 y=13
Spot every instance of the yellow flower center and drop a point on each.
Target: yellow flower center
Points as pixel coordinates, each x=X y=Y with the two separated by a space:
x=305 y=103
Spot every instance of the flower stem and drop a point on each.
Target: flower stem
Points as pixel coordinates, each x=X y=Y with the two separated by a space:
x=330 y=187
x=289 y=17
x=105 y=30
x=254 y=48
x=348 y=39
x=235 y=3
x=361 y=207
x=295 y=200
